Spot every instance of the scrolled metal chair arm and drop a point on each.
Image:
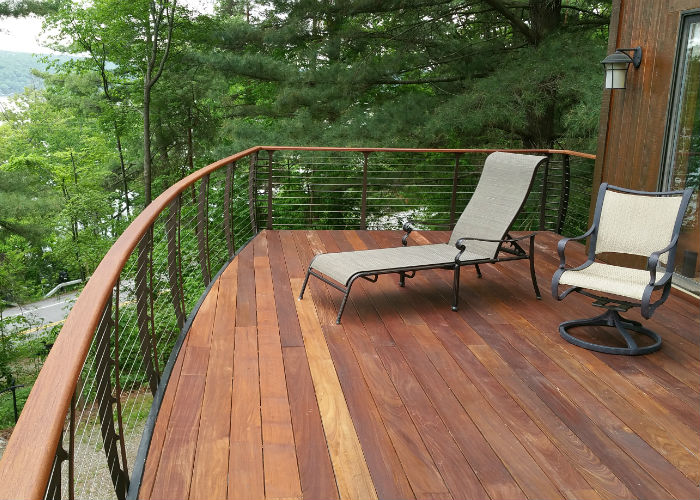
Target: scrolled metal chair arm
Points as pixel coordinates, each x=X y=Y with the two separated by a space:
x=408 y=227
x=561 y=245
x=653 y=261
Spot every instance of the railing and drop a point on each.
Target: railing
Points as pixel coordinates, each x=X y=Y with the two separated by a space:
x=81 y=432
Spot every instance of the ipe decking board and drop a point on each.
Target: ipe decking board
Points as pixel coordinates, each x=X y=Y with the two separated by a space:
x=407 y=399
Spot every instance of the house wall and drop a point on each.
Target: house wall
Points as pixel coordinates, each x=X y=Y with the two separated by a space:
x=633 y=121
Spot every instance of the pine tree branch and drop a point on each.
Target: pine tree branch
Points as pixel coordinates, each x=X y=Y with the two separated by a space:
x=515 y=21
x=417 y=81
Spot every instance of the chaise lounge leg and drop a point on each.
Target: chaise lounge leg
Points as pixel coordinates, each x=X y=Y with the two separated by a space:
x=345 y=300
x=532 y=267
x=478 y=271
x=402 y=279
x=306 y=280
x=455 y=288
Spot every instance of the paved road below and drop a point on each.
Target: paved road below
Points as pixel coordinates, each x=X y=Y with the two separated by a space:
x=47 y=312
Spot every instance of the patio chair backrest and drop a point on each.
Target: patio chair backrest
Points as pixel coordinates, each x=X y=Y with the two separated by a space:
x=504 y=184
x=637 y=224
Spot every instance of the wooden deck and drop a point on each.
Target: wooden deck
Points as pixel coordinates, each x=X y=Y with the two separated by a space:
x=407 y=399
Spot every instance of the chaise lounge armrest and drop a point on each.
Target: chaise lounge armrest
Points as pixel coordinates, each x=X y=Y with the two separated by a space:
x=408 y=227
x=459 y=244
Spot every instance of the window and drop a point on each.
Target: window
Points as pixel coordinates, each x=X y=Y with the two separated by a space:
x=682 y=146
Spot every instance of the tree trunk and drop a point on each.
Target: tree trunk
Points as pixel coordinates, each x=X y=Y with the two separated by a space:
x=190 y=142
x=125 y=184
x=147 y=142
x=545 y=17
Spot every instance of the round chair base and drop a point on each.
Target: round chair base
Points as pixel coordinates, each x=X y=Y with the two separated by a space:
x=612 y=319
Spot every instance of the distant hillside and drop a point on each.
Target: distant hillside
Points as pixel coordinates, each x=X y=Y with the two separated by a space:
x=16 y=71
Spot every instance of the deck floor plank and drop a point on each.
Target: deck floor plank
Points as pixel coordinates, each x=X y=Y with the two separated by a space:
x=174 y=475
x=270 y=399
x=279 y=453
x=210 y=471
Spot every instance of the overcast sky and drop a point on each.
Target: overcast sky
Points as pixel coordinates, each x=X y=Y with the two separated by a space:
x=22 y=35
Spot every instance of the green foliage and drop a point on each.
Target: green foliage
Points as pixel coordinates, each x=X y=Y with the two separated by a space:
x=21 y=355
x=361 y=73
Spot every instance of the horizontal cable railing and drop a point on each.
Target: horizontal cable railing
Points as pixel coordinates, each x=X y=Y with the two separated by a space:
x=81 y=432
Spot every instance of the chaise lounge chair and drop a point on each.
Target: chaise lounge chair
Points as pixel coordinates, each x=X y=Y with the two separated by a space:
x=479 y=237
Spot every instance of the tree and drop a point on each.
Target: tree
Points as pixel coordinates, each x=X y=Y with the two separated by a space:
x=134 y=36
x=376 y=72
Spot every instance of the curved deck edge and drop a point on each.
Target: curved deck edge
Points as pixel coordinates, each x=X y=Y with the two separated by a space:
x=145 y=444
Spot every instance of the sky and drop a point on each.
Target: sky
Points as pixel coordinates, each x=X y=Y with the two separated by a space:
x=23 y=34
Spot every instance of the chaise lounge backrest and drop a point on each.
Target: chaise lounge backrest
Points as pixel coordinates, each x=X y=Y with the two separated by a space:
x=500 y=194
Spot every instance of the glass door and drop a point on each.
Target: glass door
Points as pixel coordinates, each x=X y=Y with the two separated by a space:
x=682 y=153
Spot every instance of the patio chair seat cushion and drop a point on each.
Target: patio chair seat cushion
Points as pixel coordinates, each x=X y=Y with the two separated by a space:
x=606 y=278
x=342 y=266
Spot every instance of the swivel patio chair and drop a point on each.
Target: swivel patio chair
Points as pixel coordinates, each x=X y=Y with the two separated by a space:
x=625 y=222
x=479 y=237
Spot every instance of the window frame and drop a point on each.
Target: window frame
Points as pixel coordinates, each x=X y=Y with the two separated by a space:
x=672 y=115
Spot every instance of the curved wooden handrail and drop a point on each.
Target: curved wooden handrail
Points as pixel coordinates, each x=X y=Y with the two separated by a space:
x=414 y=150
x=28 y=457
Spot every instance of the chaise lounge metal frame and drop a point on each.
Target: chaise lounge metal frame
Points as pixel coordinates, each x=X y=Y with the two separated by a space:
x=474 y=240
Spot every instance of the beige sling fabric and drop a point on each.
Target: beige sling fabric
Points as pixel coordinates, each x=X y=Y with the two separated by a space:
x=342 y=266
x=501 y=191
x=605 y=278
x=503 y=186
x=636 y=224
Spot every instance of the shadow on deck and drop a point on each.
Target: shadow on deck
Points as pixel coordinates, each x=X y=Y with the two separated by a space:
x=407 y=399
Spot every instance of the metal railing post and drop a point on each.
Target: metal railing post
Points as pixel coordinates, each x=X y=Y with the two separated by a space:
x=543 y=199
x=269 y=188
x=228 y=187
x=105 y=400
x=564 y=193
x=252 y=192
x=453 y=199
x=363 y=203
x=203 y=231
x=144 y=306
x=172 y=228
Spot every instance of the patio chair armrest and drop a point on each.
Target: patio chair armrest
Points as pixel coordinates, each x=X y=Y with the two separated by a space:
x=462 y=247
x=561 y=245
x=408 y=227
x=504 y=240
x=653 y=261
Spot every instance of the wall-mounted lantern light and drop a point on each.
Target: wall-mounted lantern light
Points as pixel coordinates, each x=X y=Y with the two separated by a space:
x=616 y=65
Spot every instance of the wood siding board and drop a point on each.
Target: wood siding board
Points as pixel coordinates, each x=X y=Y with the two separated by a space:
x=605 y=115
